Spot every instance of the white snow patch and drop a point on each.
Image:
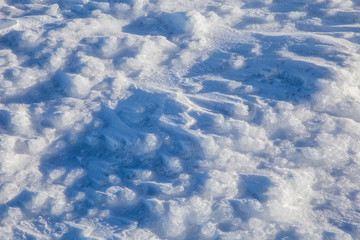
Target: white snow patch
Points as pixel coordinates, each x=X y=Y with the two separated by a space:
x=177 y=119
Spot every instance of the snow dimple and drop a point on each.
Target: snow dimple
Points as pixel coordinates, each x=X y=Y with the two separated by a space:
x=5 y=119
x=179 y=120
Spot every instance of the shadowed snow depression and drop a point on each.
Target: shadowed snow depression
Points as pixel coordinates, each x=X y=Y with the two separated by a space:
x=202 y=119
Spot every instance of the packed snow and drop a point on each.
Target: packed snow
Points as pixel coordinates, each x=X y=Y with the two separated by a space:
x=202 y=119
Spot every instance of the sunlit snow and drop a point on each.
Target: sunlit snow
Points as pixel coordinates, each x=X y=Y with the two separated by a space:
x=202 y=119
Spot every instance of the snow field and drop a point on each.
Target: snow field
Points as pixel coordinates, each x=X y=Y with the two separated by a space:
x=179 y=119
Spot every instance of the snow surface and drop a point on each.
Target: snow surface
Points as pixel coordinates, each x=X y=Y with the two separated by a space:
x=202 y=119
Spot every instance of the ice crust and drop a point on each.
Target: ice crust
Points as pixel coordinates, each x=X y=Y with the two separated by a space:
x=178 y=119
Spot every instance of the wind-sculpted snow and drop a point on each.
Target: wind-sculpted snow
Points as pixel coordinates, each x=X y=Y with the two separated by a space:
x=179 y=119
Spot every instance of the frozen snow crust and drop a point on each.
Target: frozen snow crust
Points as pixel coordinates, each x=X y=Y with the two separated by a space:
x=142 y=119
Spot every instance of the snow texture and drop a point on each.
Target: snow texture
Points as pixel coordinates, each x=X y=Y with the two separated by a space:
x=202 y=119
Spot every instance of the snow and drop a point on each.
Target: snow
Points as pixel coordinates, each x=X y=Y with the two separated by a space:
x=178 y=119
